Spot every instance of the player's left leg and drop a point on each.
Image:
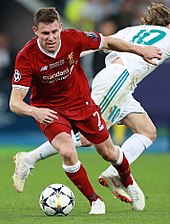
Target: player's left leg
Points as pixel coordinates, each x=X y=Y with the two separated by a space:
x=118 y=160
x=144 y=135
x=78 y=175
x=25 y=161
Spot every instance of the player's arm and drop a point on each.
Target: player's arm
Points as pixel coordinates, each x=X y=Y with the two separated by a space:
x=17 y=104
x=147 y=52
x=20 y=107
x=84 y=53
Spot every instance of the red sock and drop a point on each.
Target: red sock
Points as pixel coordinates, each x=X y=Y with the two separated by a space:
x=81 y=181
x=124 y=172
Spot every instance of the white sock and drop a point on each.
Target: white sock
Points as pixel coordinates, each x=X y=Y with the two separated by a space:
x=43 y=151
x=72 y=169
x=134 y=146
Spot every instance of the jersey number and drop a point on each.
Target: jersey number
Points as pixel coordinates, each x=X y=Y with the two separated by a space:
x=148 y=37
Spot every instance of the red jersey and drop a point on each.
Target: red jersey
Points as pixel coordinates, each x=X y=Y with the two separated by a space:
x=56 y=80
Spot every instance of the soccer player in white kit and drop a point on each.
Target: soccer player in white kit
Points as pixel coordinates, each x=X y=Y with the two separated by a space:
x=112 y=89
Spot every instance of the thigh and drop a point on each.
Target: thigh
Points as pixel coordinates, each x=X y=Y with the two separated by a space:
x=139 y=123
x=65 y=146
x=129 y=106
x=58 y=126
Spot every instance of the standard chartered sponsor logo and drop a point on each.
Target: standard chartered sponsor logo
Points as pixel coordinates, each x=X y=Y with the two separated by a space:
x=58 y=76
x=56 y=79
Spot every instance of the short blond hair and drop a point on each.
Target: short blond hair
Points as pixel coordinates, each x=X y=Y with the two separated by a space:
x=158 y=14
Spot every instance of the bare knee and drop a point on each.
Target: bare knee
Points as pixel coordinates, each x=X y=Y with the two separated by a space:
x=150 y=133
x=141 y=124
x=153 y=134
x=66 y=148
x=68 y=153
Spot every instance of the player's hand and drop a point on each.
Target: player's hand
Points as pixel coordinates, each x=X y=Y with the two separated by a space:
x=44 y=115
x=151 y=52
x=152 y=61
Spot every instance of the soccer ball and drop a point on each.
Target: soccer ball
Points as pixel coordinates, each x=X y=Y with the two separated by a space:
x=57 y=200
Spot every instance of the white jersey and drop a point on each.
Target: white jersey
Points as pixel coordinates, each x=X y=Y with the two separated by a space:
x=113 y=86
x=144 y=35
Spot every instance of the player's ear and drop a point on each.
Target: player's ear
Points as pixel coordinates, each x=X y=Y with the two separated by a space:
x=168 y=26
x=35 y=29
x=61 y=26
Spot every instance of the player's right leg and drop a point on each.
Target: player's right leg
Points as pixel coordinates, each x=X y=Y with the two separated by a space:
x=25 y=161
x=76 y=172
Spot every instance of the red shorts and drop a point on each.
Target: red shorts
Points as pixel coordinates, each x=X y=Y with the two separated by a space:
x=92 y=127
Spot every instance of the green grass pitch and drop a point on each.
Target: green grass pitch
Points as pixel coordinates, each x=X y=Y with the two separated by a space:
x=151 y=171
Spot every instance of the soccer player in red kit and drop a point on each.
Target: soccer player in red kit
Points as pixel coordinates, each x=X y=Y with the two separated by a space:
x=60 y=101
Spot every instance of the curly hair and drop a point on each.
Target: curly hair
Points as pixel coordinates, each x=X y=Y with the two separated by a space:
x=46 y=15
x=158 y=14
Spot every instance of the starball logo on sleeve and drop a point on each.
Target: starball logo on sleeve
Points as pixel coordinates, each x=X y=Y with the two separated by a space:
x=17 y=76
x=92 y=35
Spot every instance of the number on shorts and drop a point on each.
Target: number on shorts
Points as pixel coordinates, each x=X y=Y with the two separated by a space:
x=96 y=113
x=99 y=123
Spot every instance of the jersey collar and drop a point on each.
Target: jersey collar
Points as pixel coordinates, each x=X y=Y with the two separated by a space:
x=50 y=54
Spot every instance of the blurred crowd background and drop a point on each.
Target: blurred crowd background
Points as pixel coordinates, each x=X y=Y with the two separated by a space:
x=105 y=16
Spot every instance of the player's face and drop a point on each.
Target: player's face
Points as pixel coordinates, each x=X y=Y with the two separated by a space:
x=48 y=35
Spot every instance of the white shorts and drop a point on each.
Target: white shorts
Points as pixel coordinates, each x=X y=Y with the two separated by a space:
x=131 y=106
x=112 y=91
